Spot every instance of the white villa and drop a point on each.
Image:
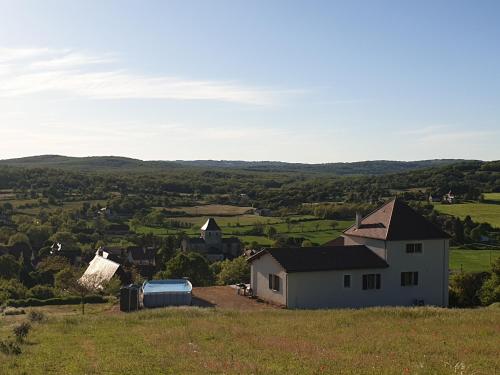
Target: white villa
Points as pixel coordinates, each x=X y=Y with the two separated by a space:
x=391 y=257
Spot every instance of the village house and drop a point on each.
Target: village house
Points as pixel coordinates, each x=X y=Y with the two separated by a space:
x=391 y=257
x=134 y=255
x=212 y=244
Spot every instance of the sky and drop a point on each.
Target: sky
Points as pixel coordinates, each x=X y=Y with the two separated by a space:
x=299 y=81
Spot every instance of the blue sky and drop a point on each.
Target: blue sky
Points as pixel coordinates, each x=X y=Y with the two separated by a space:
x=303 y=81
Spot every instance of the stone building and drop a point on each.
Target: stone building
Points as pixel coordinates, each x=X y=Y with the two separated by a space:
x=211 y=244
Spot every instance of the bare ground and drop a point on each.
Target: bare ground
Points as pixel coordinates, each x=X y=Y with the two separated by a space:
x=225 y=297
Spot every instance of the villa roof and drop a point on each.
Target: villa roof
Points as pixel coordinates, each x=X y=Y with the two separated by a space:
x=307 y=259
x=396 y=221
x=210 y=225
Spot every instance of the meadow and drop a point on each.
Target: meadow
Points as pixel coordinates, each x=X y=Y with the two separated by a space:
x=479 y=212
x=472 y=260
x=316 y=230
x=202 y=341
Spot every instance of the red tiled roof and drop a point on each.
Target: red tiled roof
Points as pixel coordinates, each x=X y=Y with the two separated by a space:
x=396 y=221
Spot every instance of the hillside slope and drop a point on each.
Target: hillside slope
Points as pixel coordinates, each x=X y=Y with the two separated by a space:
x=93 y=163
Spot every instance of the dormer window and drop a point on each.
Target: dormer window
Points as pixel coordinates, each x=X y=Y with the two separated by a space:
x=414 y=248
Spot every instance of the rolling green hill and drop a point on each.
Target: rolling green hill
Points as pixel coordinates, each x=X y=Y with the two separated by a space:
x=122 y=163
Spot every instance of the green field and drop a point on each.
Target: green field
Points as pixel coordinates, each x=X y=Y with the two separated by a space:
x=214 y=341
x=316 y=230
x=479 y=212
x=472 y=260
x=495 y=197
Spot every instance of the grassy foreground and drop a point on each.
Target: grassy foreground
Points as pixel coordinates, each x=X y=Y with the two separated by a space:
x=202 y=341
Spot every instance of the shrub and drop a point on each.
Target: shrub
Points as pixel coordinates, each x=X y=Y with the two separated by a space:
x=36 y=316
x=11 y=289
x=13 y=311
x=21 y=331
x=41 y=292
x=69 y=300
x=234 y=271
x=490 y=291
x=465 y=287
x=9 y=348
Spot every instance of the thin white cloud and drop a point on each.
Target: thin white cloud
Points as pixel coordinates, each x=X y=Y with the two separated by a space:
x=449 y=135
x=34 y=71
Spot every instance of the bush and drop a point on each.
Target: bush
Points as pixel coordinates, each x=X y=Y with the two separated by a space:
x=234 y=271
x=13 y=311
x=191 y=265
x=69 y=300
x=11 y=289
x=36 y=316
x=9 y=348
x=490 y=291
x=465 y=287
x=21 y=331
x=41 y=292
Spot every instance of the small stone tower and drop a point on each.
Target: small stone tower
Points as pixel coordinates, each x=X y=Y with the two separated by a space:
x=211 y=233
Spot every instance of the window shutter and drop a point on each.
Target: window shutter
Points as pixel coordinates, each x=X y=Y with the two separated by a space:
x=415 y=278
x=403 y=279
x=276 y=282
x=365 y=282
x=270 y=281
x=377 y=281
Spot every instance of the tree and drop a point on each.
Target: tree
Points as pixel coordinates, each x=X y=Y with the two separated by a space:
x=19 y=242
x=490 y=291
x=464 y=289
x=475 y=233
x=9 y=267
x=458 y=230
x=69 y=280
x=68 y=242
x=191 y=265
x=38 y=235
x=50 y=266
x=234 y=271
x=271 y=232
x=41 y=292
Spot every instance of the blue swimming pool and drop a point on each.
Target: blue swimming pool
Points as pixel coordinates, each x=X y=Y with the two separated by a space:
x=159 y=293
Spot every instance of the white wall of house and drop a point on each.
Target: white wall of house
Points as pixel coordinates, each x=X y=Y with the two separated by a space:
x=432 y=265
x=259 y=279
x=326 y=288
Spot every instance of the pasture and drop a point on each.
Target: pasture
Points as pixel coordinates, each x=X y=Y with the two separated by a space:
x=479 y=212
x=308 y=227
x=472 y=260
x=195 y=340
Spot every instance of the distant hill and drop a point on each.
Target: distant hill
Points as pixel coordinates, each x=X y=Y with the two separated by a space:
x=115 y=163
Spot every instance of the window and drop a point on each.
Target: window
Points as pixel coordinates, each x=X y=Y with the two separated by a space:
x=347 y=281
x=409 y=278
x=274 y=282
x=371 y=281
x=414 y=248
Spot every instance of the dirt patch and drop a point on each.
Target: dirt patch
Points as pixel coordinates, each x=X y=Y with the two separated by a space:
x=225 y=297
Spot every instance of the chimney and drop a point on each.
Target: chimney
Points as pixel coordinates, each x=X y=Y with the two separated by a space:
x=358 y=220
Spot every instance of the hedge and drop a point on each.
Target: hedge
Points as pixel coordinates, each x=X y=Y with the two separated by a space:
x=70 y=300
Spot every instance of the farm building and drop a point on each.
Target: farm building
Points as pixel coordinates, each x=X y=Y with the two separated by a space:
x=211 y=244
x=391 y=257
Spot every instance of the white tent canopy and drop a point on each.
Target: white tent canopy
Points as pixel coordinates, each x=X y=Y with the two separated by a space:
x=99 y=272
